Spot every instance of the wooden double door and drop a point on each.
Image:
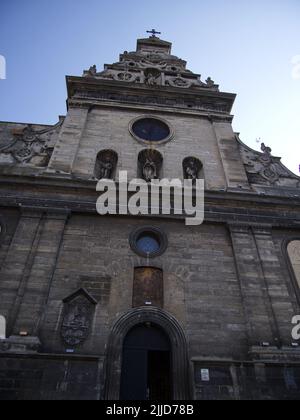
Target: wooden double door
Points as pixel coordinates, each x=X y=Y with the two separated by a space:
x=147 y=365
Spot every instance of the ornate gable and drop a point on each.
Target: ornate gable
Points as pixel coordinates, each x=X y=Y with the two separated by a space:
x=152 y=64
x=265 y=169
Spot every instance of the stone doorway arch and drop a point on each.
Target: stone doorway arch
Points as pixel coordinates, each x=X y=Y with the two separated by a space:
x=180 y=361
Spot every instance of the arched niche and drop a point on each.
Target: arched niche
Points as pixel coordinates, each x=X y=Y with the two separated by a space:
x=150 y=163
x=192 y=168
x=166 y=322
x=106 y=165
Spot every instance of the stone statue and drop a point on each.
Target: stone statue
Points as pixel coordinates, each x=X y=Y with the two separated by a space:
x=149 y=171
x=106 y=169
x=266 y=150
x=192 y=167
x=150 y=79
x=93 y=70
x=106 y=164
x=152 y=76
x=191 y=171
x=210 y=82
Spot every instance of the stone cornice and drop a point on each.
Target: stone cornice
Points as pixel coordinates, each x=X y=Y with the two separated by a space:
x=83 y=88
x=221 y=207
x=212 y=116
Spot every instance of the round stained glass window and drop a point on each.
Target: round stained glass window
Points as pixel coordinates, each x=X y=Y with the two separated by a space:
x=151 y=130
x=148 y=242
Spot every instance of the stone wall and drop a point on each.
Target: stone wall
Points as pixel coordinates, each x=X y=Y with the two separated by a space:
x=84 y=134
x=228 y=286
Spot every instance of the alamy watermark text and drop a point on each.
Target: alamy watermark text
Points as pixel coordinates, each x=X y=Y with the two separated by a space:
x=296 y=329
x=159 y=197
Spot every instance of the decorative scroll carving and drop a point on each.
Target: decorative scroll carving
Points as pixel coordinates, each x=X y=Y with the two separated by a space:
x=78 y=316
x=191 y=168
x=148 y=64
x=28 y=146
x=125 y=77
x=265 y=169
x=106 y=164
x=179 y=82
x=150 y=163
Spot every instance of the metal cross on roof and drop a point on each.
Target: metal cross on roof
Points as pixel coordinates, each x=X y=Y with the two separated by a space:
x=153 y=32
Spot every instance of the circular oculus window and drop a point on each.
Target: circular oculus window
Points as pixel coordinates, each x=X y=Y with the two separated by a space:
x=148 y=242
x=151 y=130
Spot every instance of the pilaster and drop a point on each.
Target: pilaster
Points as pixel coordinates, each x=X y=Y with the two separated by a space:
x=259 y=314
x=68 y=143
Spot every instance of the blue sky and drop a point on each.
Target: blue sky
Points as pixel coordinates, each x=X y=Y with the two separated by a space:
x=246 y=47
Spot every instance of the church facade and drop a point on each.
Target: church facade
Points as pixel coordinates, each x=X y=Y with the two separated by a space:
x=144 y=307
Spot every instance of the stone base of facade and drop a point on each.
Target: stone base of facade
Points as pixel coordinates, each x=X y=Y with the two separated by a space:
x=71 y=377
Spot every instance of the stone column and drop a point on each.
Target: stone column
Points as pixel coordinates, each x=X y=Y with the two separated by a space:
x=258 y=308
x=276 y=283
x=69 y=139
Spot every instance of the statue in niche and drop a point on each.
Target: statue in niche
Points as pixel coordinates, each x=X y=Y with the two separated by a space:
x=192 y=168
x=150 y=163
x=106 y=168
x=106 y=164
x=152 y=77
x=149 y=171
x=150 y=80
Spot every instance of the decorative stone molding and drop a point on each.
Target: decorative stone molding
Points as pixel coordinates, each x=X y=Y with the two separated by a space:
x=77 y=319
x=156 y=98
x=28 y=146
x=273 y=354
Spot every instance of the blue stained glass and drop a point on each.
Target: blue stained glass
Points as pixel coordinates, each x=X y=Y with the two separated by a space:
x=150 y=129
x=148 y=244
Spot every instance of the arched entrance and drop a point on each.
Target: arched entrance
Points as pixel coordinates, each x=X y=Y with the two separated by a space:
x=146 y=365
x=169 y=338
